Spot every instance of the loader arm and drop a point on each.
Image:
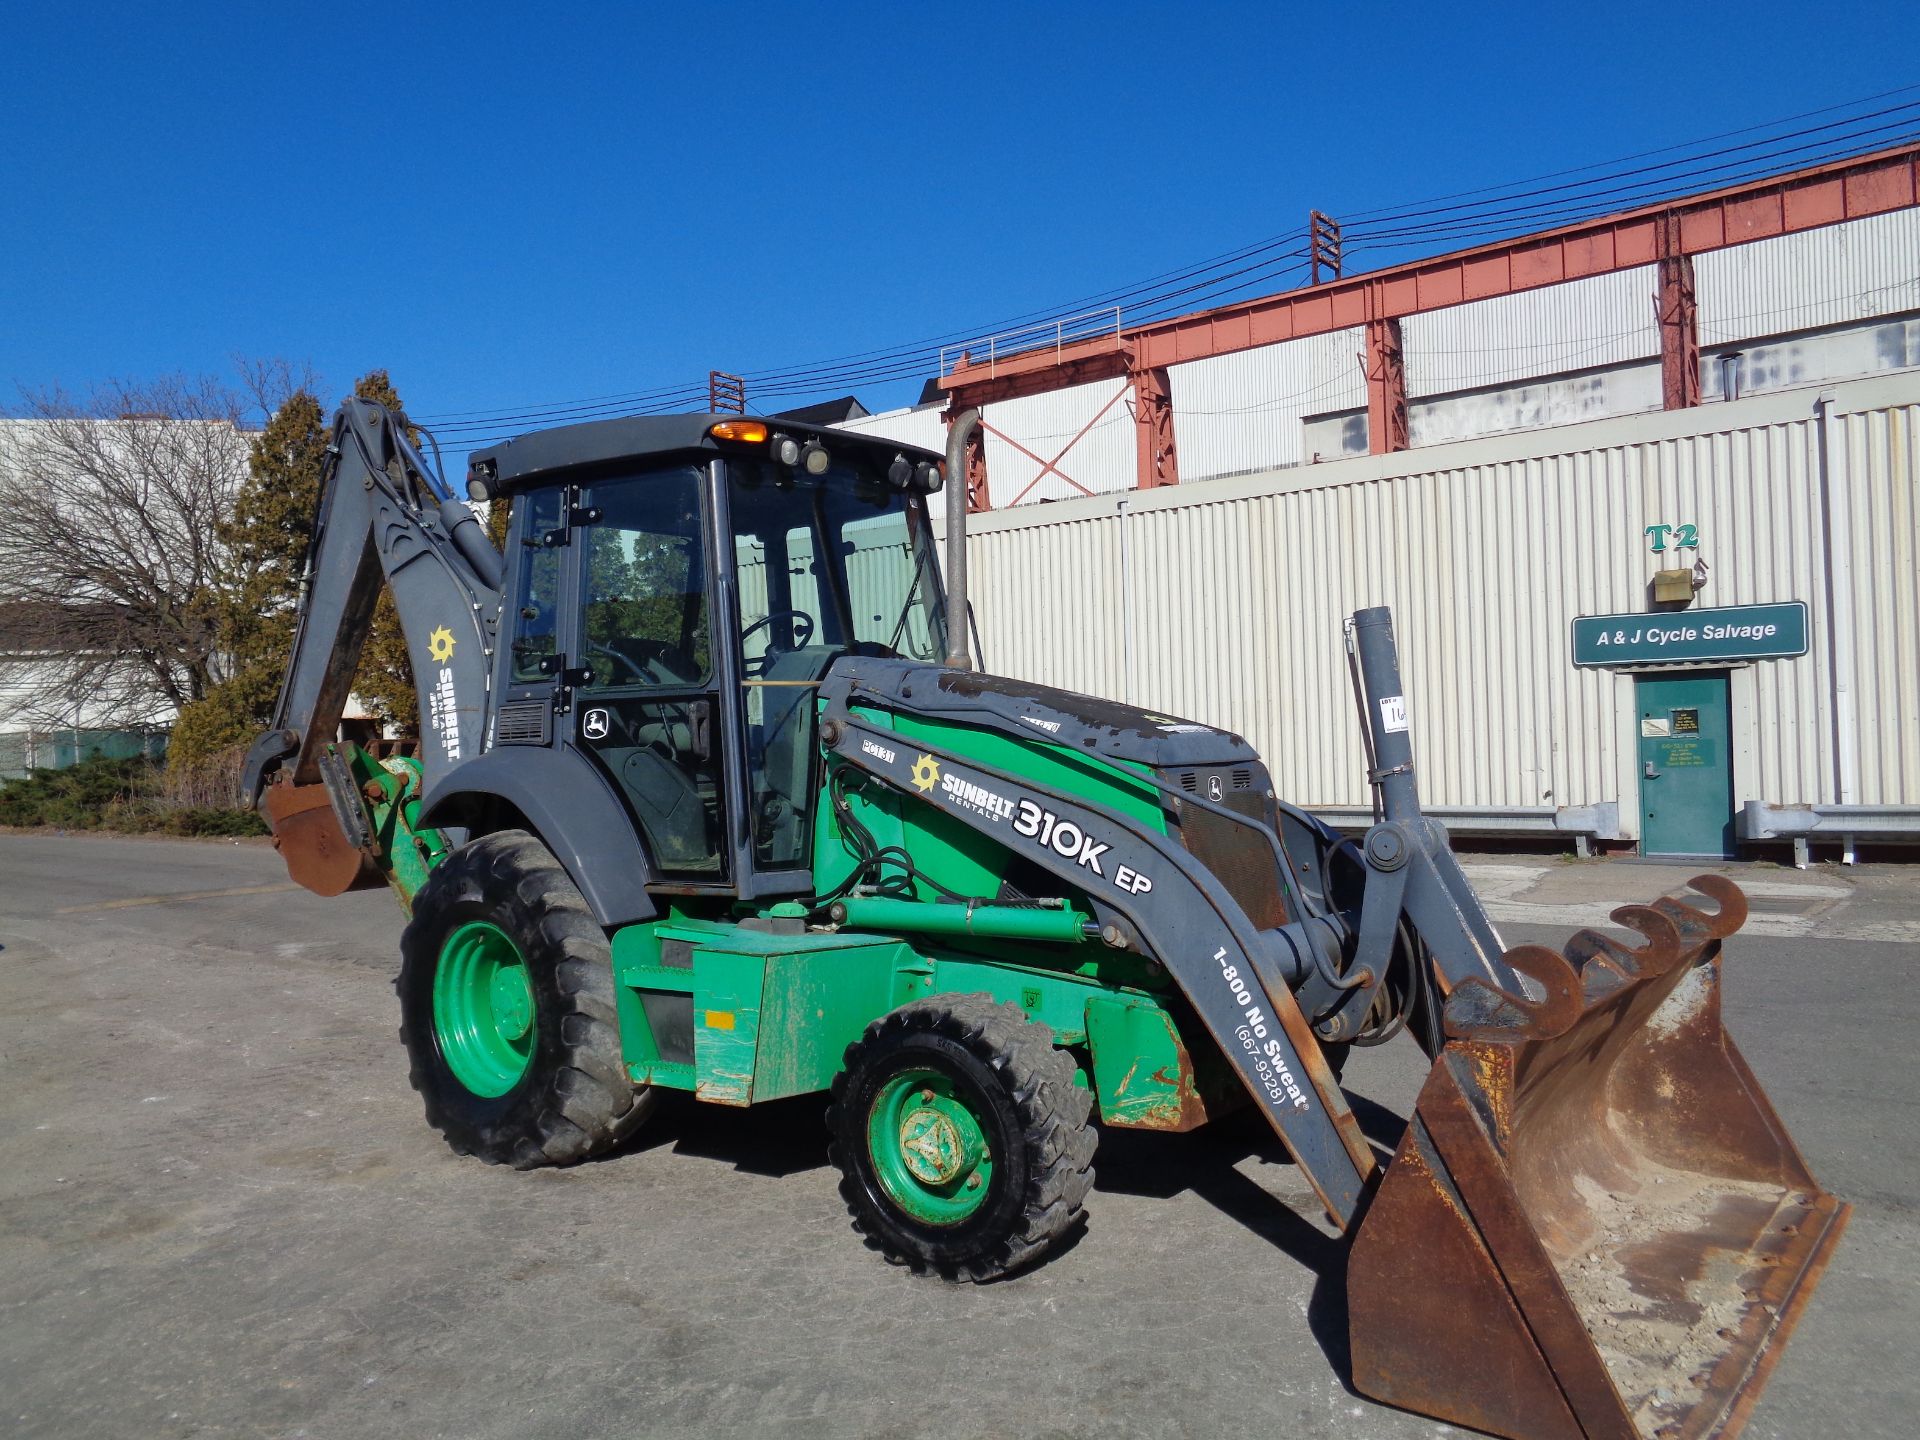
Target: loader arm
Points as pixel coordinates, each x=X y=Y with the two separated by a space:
x=383 y=516
x=1180 y=910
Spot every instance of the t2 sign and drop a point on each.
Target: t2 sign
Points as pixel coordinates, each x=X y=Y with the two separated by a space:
x=1685 y=537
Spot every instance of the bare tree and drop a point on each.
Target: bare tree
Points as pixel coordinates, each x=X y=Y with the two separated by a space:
x=268 y=383
x=111 y=565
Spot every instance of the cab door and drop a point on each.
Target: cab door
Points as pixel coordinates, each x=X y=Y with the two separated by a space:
x=646 y=703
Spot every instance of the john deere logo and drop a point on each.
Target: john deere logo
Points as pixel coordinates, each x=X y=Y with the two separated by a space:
x=440 y=645
x=926 y=773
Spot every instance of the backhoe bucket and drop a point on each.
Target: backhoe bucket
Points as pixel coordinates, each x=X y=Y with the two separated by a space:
x=318 y=853
x=1595 y=1225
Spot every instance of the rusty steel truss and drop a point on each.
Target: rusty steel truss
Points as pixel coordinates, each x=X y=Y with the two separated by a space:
x=1667 y=235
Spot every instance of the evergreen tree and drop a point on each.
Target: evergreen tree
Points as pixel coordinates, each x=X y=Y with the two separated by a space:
x=385 y=677
x=266 y=538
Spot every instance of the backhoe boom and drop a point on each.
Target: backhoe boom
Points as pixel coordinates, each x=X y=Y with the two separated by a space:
x=383 y=514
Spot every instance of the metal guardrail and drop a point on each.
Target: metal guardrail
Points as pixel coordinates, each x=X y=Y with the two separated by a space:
x=1054 y=335
x=1584 y=823
x=1758 y=820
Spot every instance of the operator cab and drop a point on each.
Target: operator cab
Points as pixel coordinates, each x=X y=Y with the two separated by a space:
x=678 y=587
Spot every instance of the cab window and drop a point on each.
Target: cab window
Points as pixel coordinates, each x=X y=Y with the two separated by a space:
x=536 y=635
x=645 y=607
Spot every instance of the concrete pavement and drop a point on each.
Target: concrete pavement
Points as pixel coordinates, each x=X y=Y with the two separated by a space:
x=221 y=1213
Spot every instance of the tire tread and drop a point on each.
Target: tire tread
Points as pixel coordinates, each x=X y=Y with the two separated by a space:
x=580 y=1101
x=1053 y=1111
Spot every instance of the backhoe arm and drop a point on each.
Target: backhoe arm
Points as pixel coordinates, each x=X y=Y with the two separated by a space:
x=383 y=514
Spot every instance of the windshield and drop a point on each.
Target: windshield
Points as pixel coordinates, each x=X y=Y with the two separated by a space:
x=827 y=564
x=835 y=561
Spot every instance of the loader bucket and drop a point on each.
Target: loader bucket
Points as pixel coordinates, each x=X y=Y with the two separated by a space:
x=1595 y=1225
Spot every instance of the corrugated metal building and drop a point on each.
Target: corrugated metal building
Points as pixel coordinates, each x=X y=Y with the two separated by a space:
x=1224 y=600
x=1541 y=456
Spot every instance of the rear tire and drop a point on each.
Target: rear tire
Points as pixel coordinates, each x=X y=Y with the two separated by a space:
x=961 y=1138
x=507 y=1010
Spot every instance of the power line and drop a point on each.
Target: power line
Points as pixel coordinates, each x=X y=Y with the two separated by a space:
x=1641 y=155
x=1254 y=268
x=1685 y=180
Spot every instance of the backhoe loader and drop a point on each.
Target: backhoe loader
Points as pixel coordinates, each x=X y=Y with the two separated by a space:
x=710 y=795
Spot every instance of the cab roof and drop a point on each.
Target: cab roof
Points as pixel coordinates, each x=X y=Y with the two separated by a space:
x=531 y=460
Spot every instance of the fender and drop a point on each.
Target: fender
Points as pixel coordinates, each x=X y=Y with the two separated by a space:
x=576 y=815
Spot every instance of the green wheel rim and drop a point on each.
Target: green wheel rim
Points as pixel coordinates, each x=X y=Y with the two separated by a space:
x=483 y=1009
x=929 y=1152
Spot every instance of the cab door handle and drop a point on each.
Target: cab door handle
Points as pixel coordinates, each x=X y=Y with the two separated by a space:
x=1650 y=773
x=700 y=729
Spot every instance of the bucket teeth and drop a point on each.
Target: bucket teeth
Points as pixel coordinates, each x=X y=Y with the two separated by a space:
x=1729 y=915
x=1595 y=966
x=1605 y=965
x=1664 y=944
x=1482 y=1011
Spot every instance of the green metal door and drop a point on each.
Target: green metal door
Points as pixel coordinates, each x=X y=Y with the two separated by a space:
x=1686 y=768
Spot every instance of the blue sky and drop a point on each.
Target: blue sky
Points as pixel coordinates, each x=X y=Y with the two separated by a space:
x=510 y=206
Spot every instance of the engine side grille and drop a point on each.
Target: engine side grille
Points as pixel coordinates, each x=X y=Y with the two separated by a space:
x=522 y=722
x=1238 y=856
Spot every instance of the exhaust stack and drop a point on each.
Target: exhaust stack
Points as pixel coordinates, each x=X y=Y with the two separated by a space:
x=959 y=657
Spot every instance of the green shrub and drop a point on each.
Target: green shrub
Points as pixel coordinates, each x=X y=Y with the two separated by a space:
x=123 y=795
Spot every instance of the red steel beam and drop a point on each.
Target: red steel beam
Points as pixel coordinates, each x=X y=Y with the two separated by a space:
x=1156 y=461
x=1679 y=315
x=1386 y=387
x=1756 y=210
x=974 y=463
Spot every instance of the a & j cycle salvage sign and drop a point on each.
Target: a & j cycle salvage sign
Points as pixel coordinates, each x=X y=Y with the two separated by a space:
x=1737 y=632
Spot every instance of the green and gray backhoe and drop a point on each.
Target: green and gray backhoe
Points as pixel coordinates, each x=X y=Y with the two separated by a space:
x=709 y=796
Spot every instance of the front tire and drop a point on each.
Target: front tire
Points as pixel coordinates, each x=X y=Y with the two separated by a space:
x=507 y=1010
x=961 y=1138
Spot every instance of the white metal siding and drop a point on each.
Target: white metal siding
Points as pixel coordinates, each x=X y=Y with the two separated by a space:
x=1875 y=460
x=1577 y=325
x=921 y=426
x=1100 y=461
x=1783 y=364
x=1242 y=412
x=1831 y=276
x=1528 y=405
x=1037 y=591
x=1235 y=591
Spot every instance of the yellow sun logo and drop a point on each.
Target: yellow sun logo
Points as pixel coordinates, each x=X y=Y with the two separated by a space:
x=926 y=773
x=440 y=645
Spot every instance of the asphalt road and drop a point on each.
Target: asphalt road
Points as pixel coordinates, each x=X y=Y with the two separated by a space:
x=222 y=1214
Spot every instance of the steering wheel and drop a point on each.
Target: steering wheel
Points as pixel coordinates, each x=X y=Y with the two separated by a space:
x=656 y=664
x=803 y=626
x=622 y=658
